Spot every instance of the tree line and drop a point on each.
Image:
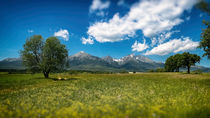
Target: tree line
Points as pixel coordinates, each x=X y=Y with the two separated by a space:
x=175 y=62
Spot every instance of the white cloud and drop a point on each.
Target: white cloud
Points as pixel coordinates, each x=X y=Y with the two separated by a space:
x=161 y=38
x=139 y=46
x=152 y=17
x=153 y=41
x=176 y=45
x=30 y=31
x=97 y=6
x=100 y=13
x=87 y=40
x=63 y=33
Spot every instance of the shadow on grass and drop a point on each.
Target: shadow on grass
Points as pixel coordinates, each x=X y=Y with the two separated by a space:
x=199 y=113
x=62 y=79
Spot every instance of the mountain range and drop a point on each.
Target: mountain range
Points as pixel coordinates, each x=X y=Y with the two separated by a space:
x=85 y=61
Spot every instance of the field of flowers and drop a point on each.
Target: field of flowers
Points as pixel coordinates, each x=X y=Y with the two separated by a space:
x=105 y=95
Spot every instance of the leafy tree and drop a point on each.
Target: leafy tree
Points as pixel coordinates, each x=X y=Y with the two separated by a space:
x=203 y=6
x=42 y=56
x=31 y=55
x=173 y=63
x=160 y=70
x=189 y=60
x=177 y=61
x=170 y=65
x=205 y=39
x=205 y=36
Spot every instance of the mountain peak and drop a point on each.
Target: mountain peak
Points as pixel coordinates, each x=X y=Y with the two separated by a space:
x=131 y=55
x=81 y=53
x=108 y=58
x=11 y=59
x=144 y=59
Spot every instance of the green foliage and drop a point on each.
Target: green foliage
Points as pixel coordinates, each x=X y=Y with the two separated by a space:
x=157 y=70
x=173 y=63
x=151 y=70
x=205 y=39
x=75 y=72
x=203 y=6
x=123 y=72
x=160 y=70
x=189 y=60
x=42 y=56
x=162 y=95
x=31 y=55
x=205 y=36
x=197 y=71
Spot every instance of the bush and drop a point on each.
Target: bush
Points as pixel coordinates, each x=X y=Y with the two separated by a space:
x=197 y=71
x=123 y=71
x=73 y=72
x=151 y=70
x=160 y=70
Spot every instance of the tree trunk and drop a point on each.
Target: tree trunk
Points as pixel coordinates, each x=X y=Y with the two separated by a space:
x=177 y=69
x=46 y=74
x=188 y=69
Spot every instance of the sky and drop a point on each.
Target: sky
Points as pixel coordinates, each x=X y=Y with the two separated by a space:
x=154 y=28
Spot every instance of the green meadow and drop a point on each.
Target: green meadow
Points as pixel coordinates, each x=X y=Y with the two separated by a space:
x=153 y=95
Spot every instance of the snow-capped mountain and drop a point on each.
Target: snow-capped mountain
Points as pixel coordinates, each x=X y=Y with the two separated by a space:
x=131 y=62
x=11 y=59
x=83 y=56
x=11 y=63
x=85 y=61
x=132 y=57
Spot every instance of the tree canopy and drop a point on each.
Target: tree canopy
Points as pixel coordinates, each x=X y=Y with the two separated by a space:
x=189 y=60
x=205 y=39
x=203 y=6
x=45 y=56
x=173 y=63
x=205 y=35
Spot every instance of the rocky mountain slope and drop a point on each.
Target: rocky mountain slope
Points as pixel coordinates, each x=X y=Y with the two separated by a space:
x=85 y=61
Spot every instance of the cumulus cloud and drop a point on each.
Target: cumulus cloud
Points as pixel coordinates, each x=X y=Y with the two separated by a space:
x=153 y=41
x=63 y=33
x=173 y=46
x=139 y=46
x=87 y=40
x=151 y=17
x=98 y=6
x=161 y=38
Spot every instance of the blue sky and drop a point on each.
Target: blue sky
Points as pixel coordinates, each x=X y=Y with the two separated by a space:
x=156 y=28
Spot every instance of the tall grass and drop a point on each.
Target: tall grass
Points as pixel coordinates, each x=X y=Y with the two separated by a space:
x=106 y=95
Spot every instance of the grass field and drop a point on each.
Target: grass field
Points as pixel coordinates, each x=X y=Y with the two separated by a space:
x=106 y=95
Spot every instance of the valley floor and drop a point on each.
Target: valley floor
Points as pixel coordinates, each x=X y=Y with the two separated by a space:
x=105 y=95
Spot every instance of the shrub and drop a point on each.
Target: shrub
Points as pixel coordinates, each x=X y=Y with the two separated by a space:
x=197 y=71
x=151 y=70
x=160 y=70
